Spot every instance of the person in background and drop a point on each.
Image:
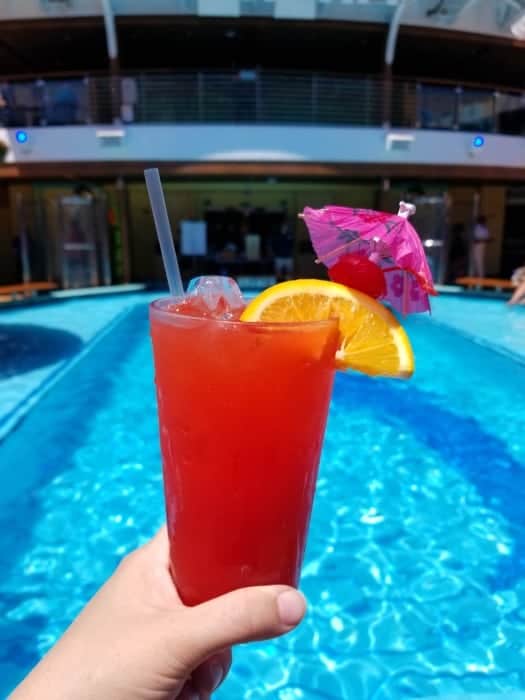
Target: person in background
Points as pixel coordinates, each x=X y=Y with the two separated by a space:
x=5 y=104
x=518 y=278
x=282 y=249
x=480 y=238
x=135 y=640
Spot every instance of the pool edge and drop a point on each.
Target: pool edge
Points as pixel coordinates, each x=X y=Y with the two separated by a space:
x=13 y=418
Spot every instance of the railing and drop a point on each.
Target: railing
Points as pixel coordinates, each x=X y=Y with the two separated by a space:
x=255 y=97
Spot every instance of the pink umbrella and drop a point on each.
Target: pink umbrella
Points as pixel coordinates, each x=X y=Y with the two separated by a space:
x=357 y=245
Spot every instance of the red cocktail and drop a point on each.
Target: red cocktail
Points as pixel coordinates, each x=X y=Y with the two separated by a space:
x=242 y=413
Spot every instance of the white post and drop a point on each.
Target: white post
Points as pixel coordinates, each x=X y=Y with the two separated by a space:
x=109 y=25
x=390 y=50
x=114 y=69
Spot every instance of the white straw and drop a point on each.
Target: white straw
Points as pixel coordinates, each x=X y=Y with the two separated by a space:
x=162 y=225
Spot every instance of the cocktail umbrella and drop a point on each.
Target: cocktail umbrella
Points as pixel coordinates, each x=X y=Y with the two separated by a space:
x=375 y=252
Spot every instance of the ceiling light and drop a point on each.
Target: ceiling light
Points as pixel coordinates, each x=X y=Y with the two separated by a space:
x=478 y=141
x=398 y=142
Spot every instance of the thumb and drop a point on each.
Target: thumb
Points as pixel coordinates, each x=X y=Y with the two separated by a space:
x=244 y=615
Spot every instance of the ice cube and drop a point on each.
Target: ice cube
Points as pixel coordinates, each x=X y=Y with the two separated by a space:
x=220 y=296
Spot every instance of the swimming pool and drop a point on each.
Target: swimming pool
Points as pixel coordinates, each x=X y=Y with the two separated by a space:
x=415 y=568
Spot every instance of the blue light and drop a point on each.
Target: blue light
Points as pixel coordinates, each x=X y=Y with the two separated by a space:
x=478 y=141
x=21 y=136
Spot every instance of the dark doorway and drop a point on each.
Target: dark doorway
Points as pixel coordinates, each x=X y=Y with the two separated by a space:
x=239 y=242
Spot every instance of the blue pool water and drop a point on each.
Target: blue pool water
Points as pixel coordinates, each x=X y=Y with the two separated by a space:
x=415 y=567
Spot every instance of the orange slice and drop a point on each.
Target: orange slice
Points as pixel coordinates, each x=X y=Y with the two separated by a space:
x=372 y=339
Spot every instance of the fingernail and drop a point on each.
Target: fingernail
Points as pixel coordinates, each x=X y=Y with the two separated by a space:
x=216 y=673
x=291 y=606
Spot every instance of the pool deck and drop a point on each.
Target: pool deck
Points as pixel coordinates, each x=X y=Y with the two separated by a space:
x=485 y=319
x=38 y=342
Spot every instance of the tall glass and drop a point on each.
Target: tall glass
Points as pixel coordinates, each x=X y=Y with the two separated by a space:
x=242 y=413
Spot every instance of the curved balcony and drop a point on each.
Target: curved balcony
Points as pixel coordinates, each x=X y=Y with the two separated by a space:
x=255 y=97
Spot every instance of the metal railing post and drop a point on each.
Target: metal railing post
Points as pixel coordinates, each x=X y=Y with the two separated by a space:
x=258 y=101
x=114 y=64
x=419 y=106
x=458 y=91
x=314 y=98
x=87 y=107
x=200 y=95
x=115 y=88
x=387 y=96
x=495 y=112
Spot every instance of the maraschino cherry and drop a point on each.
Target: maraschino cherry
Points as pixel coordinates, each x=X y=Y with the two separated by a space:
x=358 y=272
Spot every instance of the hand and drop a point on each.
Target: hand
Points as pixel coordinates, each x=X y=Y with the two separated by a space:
x=135 y=640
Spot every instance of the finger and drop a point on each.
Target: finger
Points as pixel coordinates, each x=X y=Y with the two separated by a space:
x=154 y=559
x=227 y=659
x=188 y=692
x=244 y=615
x=210 y=674
x=158 y=547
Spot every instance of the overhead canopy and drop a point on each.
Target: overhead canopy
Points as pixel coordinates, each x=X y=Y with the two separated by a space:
x=493 y=17
x=180 y=39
